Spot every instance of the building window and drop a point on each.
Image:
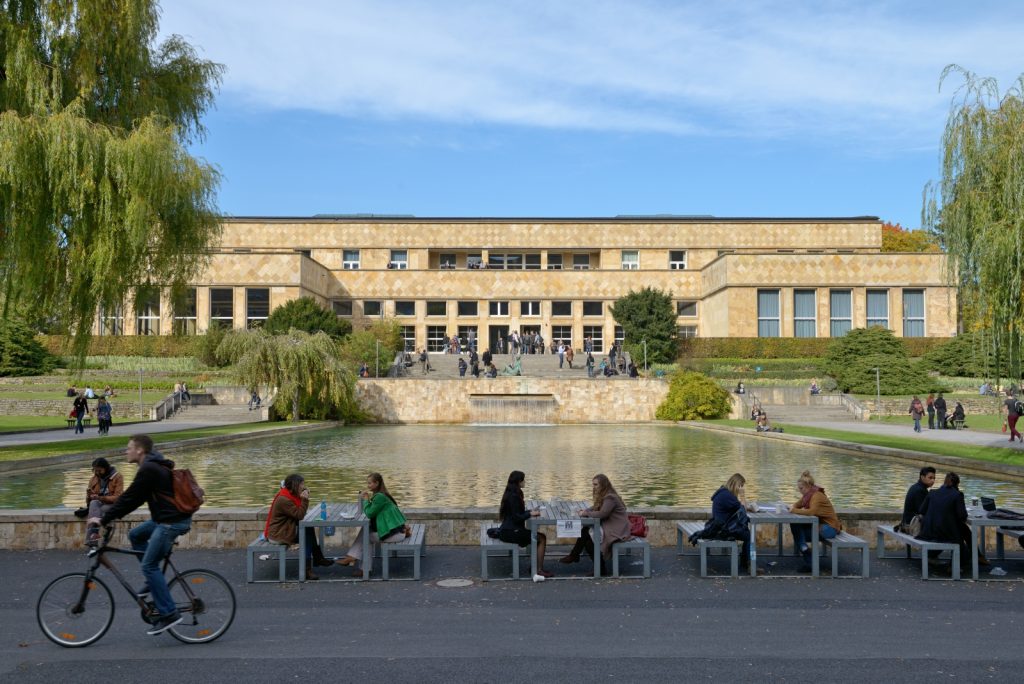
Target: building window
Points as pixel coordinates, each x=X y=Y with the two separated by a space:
x=687 y=331
x=593 y=309
x=399 y=259
x=840 y=312
x=805 y=320
x=532 y=262
x=437 y=308
x=529 y=308
x=581 y=262
x=405 y=308
x=913 y=313
x=409 y=337
x=222 y=306
x=677 y=259
x=686 y=308
x=767 y=313
x=257 y=306
x=878 y=308
x=554 y=262
x=467 y=309
x=148 y=317
x=112 y=320
x=630 y=260
x=464 y=335
x=474 y=261
x=447 y=262
x=185 y=312
x=342 y=307
x=596 y=335
x=350 y=259
x=561 y=308
x=499 y=308
x=506 y=261
x=373 y=307
x=436 y=337
x=620 y=335
x=561 y=333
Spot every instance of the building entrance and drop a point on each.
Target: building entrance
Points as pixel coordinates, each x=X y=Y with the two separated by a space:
x=496 y=334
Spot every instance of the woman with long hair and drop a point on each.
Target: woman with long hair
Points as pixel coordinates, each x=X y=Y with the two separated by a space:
x=387 y=524
x=611 y=510
x=813 y=501
x=725 y=506
x=288 y=508
x=514 y=515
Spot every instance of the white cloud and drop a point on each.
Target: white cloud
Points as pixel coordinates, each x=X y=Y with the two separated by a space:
x=748 y=68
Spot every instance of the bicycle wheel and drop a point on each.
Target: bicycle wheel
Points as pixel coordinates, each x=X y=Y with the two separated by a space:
x=75 y=612
x=206 y=601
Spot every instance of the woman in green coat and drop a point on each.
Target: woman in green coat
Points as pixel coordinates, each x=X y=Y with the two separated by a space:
x=387 y=524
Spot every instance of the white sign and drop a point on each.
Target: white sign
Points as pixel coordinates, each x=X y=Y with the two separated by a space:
x=569 y=528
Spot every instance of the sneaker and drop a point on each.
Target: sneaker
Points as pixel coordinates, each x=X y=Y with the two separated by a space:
x=164 y=623
x=143 y=593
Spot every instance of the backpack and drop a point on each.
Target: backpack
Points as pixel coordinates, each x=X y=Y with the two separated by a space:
x=1018 y=407
x=188 y=495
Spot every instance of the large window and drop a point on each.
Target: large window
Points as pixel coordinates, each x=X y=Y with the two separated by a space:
x=350 y=259
x=596 y=334
x=529 y=308
x=805 y=321
x=913 y=313
x=620 y=335
x=409 y=337
x=768 y=313
x=222 y=306
x=498 y=308
x=474 y=261
x=148 y=316
x=447 y=262
x=878 y=308
x=686 y=308
x=342 y=307
x=554 y=262
x=840 y=312
x=561 y=308
x=436 y=335
x=581 y=262
x=630 y=260
x=593 y=309
x=185 y=312
x=533 y=262
x=677 y=259
x=399 y=259
x=464 y=331
x=257 y=306
x=373 y=307
x=467 y=308
x=687 y=331
x=112 y=320
x=507 y=261
x=561 y=333
x=405 y=308
x=437 y=308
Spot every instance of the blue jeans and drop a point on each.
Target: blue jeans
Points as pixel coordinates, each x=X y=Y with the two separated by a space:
x=802 y=533
x=78 y=423
x=156 y=539
x=917 y=425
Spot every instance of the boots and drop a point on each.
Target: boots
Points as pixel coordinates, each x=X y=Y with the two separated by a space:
x=806 y=567
x=320 y=561
x=310 y=575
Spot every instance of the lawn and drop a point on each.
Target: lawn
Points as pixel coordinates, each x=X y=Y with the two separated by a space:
x=125 y=396
x=19 y=453
x=979 y=423
x=9 y=423
x=909 y=443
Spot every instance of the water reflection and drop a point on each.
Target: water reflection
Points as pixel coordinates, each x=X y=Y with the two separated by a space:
x=460 y=466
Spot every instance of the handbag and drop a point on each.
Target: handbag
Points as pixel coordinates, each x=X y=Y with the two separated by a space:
x=913 y=528
x=637 y=525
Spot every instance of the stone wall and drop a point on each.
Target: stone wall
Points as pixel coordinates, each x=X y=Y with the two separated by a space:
x=580 y=400
x=973 y=405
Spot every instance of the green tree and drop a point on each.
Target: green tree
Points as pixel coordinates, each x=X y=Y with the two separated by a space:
x=693 y=396
x=20 y=352
x=851 y=361
x=305 y=314
x=362 y=346
x=302 y=367
x=98 y=193
x=650 y=315
x=205 y=346
x=977 y=208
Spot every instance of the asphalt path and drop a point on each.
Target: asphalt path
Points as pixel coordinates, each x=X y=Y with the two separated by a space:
x=675 y=627
x=968 y=436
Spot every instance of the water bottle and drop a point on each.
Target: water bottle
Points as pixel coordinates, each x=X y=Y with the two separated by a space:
x=328 y=531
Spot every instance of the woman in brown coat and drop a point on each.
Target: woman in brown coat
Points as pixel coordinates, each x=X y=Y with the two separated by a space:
x=288 y=508
x=610 y=509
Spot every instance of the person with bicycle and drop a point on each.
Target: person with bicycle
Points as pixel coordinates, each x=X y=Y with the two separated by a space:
x=153 y=485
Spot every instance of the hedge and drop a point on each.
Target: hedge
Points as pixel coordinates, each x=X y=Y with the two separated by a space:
x=124 y=345
x=781 y=347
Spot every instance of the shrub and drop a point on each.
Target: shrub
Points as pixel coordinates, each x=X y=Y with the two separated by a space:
x=306 y=315
x=361 y=346
x=851 y=361
x=967 y=355
x=20 y=352
x=648 y=314
x=780 y=347
x=692 y=396
x=205 y=346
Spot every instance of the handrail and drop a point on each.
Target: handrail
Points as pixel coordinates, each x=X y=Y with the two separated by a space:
x=168 y=406
x=853 y=406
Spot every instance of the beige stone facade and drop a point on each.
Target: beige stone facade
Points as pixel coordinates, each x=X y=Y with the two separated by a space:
x=730 y=277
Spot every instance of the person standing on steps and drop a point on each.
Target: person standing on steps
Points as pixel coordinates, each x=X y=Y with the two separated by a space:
x=940 y=411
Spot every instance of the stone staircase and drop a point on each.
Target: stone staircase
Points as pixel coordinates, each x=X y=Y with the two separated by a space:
x=216 y=414
x=796 y=405
x=446 y=366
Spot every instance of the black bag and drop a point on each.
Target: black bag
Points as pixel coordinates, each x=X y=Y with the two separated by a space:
x=1018 y=407
x=492 y=532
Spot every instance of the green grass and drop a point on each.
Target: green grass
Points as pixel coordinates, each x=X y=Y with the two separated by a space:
x=19 y=453
x=967 y=451
x=124 y=397
x=978 y=423
x=8 y=423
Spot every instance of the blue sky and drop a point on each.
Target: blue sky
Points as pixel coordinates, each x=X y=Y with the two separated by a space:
x=587 y=108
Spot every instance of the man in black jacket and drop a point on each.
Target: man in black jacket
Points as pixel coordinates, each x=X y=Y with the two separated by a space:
x=940 y=411
x=153 y=485
x=917 y=493
x=944 y=517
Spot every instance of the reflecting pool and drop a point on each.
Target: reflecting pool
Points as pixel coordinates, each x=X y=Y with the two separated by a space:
x=461 y=466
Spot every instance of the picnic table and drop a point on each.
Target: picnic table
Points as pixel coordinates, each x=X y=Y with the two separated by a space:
x=338 y=515
x=770 y=517
x=554 y=511
x=978 y=525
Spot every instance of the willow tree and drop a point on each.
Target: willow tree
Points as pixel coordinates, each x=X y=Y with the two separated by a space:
x=298 y=365
x=977 y=209
x=98 y=193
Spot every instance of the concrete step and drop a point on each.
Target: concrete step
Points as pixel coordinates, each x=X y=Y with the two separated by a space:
x=781 y=413
x=218 y=413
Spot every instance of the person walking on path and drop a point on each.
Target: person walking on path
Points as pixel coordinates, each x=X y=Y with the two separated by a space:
x=561 y=355
x=930 y=406
x=1012 y=408
x=916 y=411
x=940 y=411
x=81 y=409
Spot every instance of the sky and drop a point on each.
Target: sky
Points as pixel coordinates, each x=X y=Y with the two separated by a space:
x=568 y=108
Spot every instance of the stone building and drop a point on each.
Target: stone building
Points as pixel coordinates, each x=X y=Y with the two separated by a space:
x=729 y=277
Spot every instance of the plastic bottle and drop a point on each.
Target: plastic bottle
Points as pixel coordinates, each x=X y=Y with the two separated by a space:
x=329 y=531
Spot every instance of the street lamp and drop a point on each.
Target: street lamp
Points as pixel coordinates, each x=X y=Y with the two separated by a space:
x=377 y=374
x=645 y=356
x=878 y=393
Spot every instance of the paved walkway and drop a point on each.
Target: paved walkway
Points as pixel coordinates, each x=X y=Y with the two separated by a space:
x=968 y=436
x=61 y=436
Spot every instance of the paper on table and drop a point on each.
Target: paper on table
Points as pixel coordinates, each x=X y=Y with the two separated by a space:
x=568 y=528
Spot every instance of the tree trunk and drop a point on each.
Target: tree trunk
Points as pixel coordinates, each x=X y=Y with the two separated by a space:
x=295 y=406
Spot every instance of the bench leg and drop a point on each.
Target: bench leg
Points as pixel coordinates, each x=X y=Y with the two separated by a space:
x=924 y=564
x=385 y=555
x=483 y=563
x=647 y=561
x=835 y=560
x=864 y=558
x=956 y=563
x=515 y=562
x=679 y=542
x=615 y=562
x=734 y=560
x=250 y=561
x=417 y=555
x=703 y=560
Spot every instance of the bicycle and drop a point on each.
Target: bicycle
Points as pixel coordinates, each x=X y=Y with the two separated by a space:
x=77 y=609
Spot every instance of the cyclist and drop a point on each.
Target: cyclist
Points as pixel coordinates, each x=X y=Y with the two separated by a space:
x=153 y=484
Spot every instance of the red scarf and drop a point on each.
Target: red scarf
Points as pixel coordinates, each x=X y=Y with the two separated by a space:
x=286 y=494
x=805 y=502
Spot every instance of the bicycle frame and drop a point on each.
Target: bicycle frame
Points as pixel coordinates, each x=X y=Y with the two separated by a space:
x=98 y=558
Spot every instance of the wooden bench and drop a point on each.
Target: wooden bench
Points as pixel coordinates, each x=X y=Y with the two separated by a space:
x=86 y=422
x=412 y=546
x=685 y=529
x=845 y=540
x=489 y=546
x=925 y=546
x=627 y=546
x=262 y=546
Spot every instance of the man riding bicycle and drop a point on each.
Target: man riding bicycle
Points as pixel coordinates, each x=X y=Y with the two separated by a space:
x=153 y=484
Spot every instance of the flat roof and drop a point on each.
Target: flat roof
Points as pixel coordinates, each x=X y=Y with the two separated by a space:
x=632 y=218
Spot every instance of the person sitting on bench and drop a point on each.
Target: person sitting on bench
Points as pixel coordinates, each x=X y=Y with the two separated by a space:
x=958 y=416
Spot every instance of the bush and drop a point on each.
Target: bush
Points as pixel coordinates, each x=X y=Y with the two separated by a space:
x=780 y=347
x=648 y=314
x=851 y=361
x=692 y=396
x=306 y=315
x=21 y=353
x=967 y=355
x=205 y=346
x=361 y=346
x=123 y=345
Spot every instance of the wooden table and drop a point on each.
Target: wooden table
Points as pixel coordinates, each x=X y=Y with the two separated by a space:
x=338 y=515
x=978 y=526
x=765 y=517
x=550 y=513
